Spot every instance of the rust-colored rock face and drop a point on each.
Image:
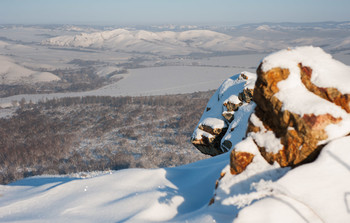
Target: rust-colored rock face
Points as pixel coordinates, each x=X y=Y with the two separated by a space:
x=239 y=161
x=330 y=94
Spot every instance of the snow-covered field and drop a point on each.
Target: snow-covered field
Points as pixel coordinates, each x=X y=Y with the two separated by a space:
x=316 y=192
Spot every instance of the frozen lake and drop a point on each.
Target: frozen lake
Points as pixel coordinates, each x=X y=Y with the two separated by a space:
x=150 y=81
x=169 y=80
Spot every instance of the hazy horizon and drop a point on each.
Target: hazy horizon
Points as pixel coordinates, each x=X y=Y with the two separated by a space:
x=156 y=12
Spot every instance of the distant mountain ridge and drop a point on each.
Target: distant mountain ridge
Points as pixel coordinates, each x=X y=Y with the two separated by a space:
x=165 y=42
x=177 y=40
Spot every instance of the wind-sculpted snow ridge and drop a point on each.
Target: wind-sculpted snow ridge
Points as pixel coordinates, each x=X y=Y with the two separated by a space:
x=166 y=42
x=261 y=179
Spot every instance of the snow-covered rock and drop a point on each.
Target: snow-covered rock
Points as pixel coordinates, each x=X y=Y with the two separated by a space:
x=219 y=128
x=302 y=108
x=303 y=100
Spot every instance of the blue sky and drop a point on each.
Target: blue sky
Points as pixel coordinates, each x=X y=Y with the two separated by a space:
x=139 y=12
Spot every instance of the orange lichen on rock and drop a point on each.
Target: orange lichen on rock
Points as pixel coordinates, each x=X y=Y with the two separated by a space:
x=239 y=161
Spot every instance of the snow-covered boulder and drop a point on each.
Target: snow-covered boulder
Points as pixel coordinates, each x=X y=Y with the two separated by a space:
x=302 y=97
x=218 y=128
x=301 y=102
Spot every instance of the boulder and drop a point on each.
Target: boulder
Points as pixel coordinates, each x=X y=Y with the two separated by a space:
x=302 y=102
x=301 y=105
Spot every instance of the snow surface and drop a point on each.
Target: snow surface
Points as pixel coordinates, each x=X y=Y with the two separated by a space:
x=326 y=72
x=316 y=192
x=238 y=127
x=214 y=123
x=265 y=139
x=133 y=195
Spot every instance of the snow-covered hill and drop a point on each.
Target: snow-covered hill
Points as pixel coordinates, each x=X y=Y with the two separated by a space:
x=166 y=42
x=246 y=38
x=11 y=73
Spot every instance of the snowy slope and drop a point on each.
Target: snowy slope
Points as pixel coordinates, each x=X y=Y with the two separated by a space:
x=166 y=42
x=127 y=195
x=11 y=73
x=316 y=192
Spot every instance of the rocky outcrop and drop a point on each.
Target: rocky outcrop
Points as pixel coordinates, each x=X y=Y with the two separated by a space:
x=225 y=110
x=301 y=103
x=296 y=116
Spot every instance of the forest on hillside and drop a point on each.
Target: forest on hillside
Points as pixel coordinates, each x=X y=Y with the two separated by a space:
x=95 y=133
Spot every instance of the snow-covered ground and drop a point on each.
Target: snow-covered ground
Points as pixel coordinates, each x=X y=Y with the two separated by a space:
x=316 y=192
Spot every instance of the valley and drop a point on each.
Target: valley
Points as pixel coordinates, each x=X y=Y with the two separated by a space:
x=70 y=77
